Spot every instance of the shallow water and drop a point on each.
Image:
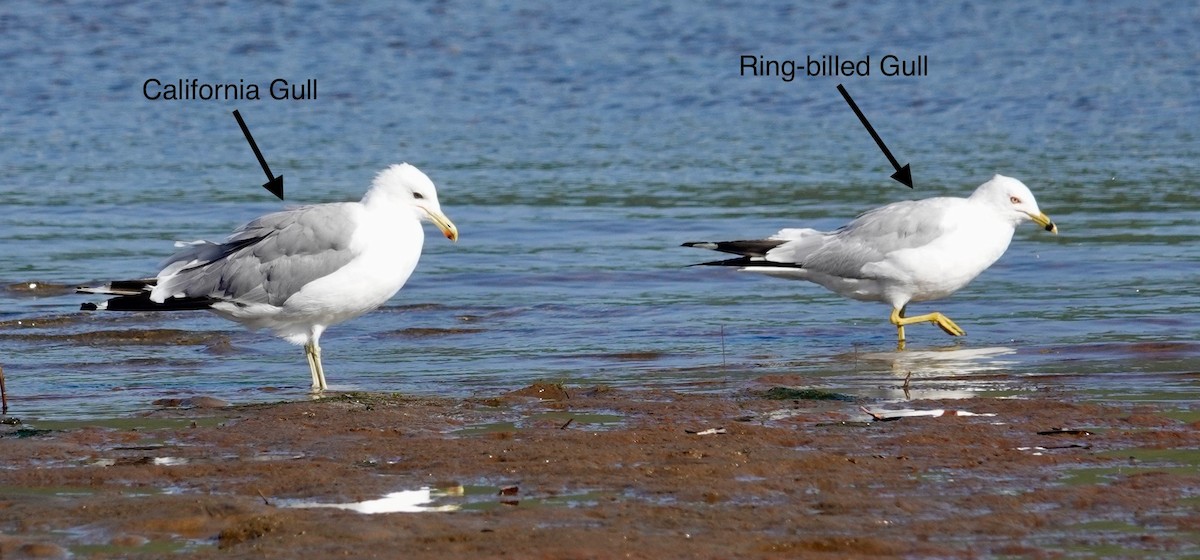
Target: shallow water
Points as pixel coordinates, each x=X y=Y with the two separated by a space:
x=576 y=148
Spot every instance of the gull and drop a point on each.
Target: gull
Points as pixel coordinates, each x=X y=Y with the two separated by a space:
x=301 y=270
x=910 y=251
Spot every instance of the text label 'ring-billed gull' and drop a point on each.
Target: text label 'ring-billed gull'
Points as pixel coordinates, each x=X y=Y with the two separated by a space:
x=298 y=271
x=915 y=250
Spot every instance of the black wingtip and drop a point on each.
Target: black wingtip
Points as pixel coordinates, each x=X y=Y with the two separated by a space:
x=745 y=247
x=142 y=302
x=739 y=262
x=749 y=262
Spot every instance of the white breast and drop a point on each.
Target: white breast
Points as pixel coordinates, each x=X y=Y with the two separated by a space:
x=974 y=240
x=387 y=248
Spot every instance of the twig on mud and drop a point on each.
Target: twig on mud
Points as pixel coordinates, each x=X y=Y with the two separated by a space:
x=3 y=393
x=722 y=347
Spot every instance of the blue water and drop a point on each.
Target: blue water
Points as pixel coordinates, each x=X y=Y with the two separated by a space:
x=576 y=145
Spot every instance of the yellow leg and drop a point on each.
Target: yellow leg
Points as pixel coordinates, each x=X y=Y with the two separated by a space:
x=321 y=368
x=943 y=322
x=312 y=351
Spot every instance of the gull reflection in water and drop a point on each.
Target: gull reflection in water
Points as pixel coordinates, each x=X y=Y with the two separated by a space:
x=405 y=501
x=948 y=364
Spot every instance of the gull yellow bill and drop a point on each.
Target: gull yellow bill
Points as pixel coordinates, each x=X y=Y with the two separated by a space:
x=1041 y=219
x=443 y=223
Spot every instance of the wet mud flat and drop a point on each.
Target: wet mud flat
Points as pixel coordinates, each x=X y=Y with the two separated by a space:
x=775 y=470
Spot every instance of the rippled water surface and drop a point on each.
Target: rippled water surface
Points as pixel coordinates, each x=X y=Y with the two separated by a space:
x=576 y=146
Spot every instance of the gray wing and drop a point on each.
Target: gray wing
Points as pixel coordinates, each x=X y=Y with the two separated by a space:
x=871 y=237
x=265 y=261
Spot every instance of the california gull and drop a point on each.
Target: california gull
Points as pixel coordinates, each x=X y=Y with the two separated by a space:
x=910 y=251
x=299 y=271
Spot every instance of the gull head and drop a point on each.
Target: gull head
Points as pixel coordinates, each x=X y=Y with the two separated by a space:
x=405 y=186
x=1014 y=200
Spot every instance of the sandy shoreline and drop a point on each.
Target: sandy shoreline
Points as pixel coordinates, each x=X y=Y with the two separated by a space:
x=578 y=472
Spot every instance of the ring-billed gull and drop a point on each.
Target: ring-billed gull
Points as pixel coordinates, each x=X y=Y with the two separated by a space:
x=916 y=250
x=298 y=271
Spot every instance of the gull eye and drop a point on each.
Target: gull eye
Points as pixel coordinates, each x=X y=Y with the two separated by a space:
x=1014 y=200
x=420 y=196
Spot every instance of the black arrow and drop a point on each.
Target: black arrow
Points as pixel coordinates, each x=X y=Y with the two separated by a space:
x=902 y=174
x=274 y=184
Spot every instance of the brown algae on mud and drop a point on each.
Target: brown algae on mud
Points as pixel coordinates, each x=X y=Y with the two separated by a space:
x=636 y=482
x=430 y=332
x=542 y=390
x=36 y=288
x=131 y=337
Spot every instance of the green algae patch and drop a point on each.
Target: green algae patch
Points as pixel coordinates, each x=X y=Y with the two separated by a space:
x=792 y=394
